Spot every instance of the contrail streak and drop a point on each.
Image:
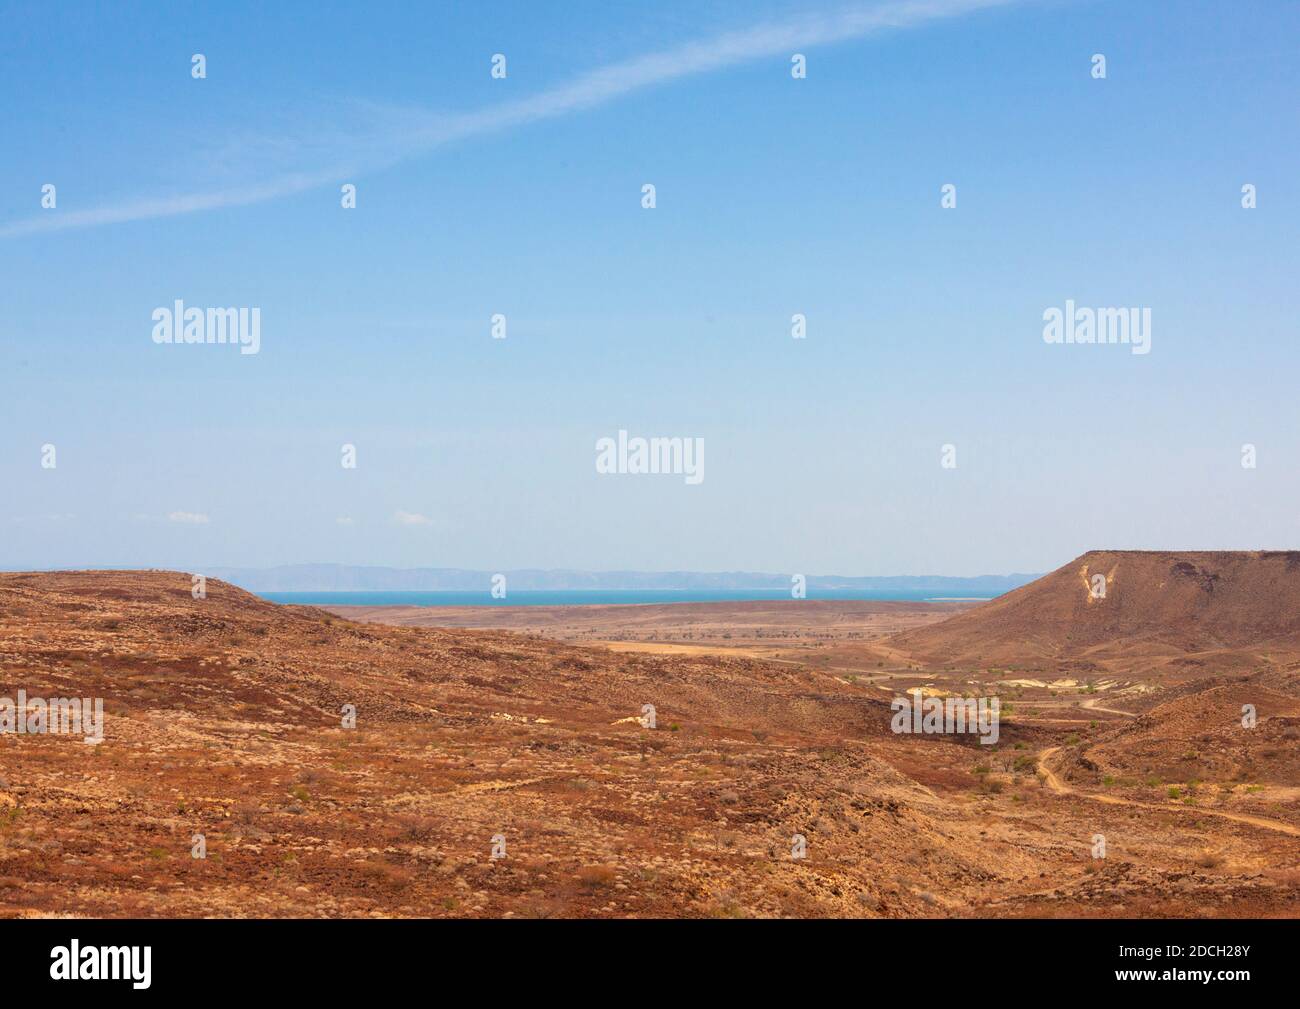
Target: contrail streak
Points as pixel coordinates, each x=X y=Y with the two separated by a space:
x=422 y=132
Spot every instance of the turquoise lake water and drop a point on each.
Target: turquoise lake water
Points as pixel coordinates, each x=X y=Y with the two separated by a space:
x=585 y=597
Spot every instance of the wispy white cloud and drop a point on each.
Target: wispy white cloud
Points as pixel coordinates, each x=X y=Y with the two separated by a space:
x=188 y=518
x=171 y=206
x=411 y=519
x=395 y=135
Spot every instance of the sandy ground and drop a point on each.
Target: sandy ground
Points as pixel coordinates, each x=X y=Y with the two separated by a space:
x=825 y=632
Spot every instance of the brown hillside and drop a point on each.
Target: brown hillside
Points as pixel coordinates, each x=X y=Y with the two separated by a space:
x=1195 y=750
x=1201 y=737
x=222 y=719
x=1181 y=609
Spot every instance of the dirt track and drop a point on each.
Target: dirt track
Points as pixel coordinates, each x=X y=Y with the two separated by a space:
x=1061 y=788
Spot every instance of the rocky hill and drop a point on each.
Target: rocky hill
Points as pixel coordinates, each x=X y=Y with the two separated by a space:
x=1107 y=609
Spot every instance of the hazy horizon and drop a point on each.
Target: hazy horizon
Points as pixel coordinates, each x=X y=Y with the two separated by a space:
x=666 y=574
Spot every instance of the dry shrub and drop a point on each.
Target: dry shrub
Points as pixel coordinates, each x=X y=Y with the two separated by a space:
x=385 y=874
x=593 y=877
x=413 y=827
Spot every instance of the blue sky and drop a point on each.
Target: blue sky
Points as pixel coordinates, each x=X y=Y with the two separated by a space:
x=522 y=196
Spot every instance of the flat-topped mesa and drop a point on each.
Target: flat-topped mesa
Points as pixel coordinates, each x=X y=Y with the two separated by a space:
x=1129 y=605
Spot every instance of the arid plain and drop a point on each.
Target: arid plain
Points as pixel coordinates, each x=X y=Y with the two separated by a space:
x=518 y=732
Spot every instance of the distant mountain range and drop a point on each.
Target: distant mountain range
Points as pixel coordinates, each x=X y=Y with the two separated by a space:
x=348 y=578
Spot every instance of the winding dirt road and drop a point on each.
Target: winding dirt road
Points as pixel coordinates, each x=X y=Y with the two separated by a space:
x=1092 y=705
x=1061 y=788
